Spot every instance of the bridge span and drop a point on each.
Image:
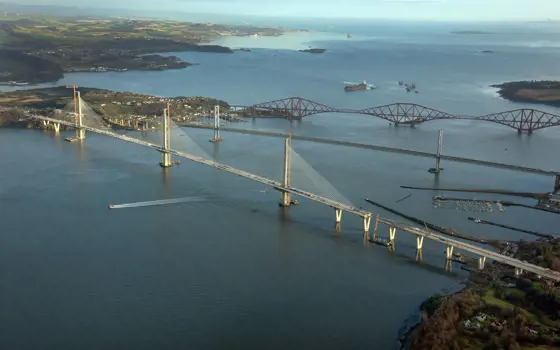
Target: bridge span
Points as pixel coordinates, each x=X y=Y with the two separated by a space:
x=520 y=266
x=297 y=108
x=286 y=190
x=381 y=148
x=282 y=187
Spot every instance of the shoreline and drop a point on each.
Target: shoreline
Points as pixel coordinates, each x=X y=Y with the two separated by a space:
x=494 y=307
x=536 y=92
x=42 y=49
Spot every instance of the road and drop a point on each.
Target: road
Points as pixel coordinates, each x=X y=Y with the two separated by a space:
x=382 y=149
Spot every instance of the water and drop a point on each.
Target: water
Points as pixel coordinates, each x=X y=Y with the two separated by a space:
x=235 y=271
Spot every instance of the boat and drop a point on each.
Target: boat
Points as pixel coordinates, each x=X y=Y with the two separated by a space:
x=357 y=87
x=111 y=206
x=348 y=35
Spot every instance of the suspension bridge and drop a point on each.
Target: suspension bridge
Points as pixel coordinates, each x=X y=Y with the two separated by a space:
x=306 y=185
x=296 y=108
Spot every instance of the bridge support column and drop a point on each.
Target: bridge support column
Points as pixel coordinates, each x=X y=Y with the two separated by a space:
x=419 y=244
x=367 y=222
x=216 y=124
x=375 y=227
x=481 y=262
x=437 y=169
x=56 y=127
x=392 y=235
x=518 y=272
x=80 y=132
x=338 y=214
x=285 y=199
x=449 y=252
x=557 y=183
x=166 y=155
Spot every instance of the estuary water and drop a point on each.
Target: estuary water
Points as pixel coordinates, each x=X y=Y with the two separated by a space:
x=232 y=270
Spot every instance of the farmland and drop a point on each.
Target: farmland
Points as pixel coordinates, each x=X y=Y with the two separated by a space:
x=58 y=45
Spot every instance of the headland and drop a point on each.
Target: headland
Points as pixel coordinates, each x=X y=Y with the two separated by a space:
x=541 y=92
x=497 y=310
x=37 y=49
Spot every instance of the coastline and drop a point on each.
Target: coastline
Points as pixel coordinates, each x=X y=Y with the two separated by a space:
x=537 y=92
x=42 y=49
x=495 y=307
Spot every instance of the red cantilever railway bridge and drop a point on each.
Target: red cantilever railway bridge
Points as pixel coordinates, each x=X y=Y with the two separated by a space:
x=296 y=108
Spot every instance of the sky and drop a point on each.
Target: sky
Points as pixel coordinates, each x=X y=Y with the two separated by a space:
x=447 y=10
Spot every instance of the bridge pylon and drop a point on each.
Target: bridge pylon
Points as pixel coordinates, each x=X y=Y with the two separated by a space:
x=80 y=131
x=437 y=169
x=166 y=147
x=216 y=124
x=285 y=197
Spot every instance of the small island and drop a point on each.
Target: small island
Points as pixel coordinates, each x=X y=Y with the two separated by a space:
x=470 y=32
x=497 y=310
x=541 y=92
x=315 y=51
x=38 y=49
x=17 y=107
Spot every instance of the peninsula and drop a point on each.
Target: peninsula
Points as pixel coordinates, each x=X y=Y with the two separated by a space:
x=497 y=310
x=38 y=49
x=540 y=92
x=17 y=107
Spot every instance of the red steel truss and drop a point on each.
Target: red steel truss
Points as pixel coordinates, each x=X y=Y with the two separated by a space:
x=296 y=108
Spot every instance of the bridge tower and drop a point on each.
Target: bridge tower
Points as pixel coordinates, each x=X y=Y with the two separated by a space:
x=285 y=197
x=437 y=169
x=557 y=183
x=80 y=131
x=216 y=124
x=165 y=153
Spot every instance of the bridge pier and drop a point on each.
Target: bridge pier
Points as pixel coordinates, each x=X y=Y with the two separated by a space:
x=375 y=227
x=437 y=169
x=419 y=244
x=165 y=154
x=367 y=222
x=285 y=197
x=80 y=132
x=338 y=214
x=392 y=235
x=56 y=127
x=557 y=183
x=518 y=272
x=216 y=124
x=449 y=252
x=481 y=262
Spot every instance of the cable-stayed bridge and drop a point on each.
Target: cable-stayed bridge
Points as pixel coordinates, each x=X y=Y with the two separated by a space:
x=295 y=169
x=298 y=178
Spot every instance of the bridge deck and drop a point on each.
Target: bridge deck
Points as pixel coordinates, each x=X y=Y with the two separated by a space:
x=382 y=149
x=245 y=174
x=547 y=273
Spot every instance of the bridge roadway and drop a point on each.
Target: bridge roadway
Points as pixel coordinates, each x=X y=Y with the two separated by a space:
x=380 y=148
x=334 y=204
x=525 y=266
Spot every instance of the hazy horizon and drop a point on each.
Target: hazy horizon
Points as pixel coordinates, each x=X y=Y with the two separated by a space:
x=418 y=10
